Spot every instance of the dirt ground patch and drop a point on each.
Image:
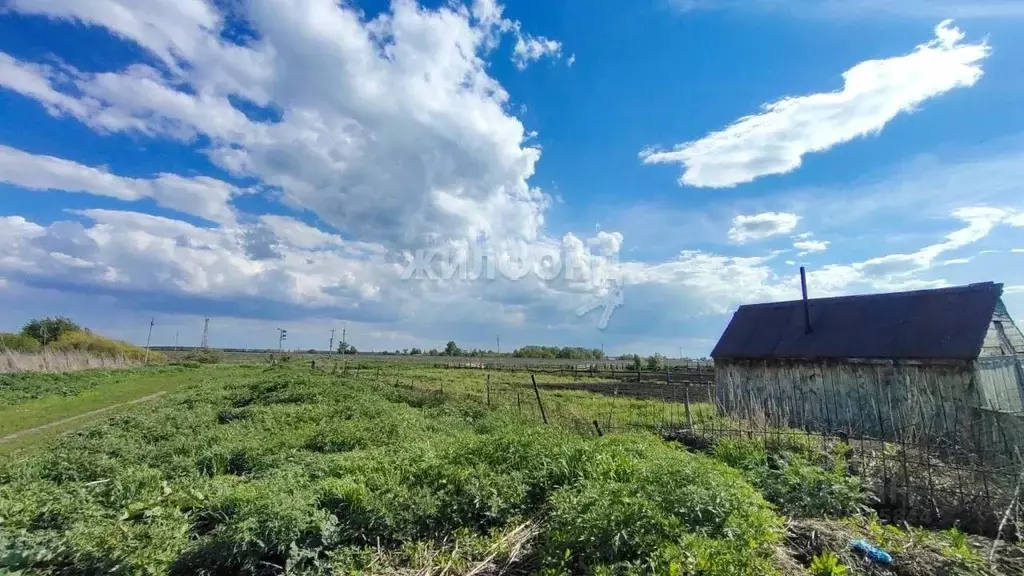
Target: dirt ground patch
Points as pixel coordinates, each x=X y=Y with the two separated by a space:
x=913 y=553
x=641 y=390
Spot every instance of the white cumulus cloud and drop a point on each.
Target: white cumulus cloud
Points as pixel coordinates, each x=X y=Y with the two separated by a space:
x=760 y=226
x=407 y=141
x=810 y=246
x=874 y=93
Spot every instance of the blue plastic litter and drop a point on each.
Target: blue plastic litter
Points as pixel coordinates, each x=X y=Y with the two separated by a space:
x=875 y=554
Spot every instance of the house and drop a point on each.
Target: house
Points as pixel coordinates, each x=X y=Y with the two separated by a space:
x=929 y=363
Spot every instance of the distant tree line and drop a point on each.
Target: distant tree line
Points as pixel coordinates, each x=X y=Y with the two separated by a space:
x=654 y=362
x=563 y=353
x=453 y=349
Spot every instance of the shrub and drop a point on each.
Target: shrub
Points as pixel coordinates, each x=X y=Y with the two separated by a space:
x=19 y=343
x=50 y=329
x=100 y=346
x=203 y=356
x=656 y=362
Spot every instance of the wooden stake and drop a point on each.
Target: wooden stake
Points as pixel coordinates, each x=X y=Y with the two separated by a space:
x=540 y=404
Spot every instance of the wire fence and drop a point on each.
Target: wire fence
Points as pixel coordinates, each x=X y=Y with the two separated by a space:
x=913 y=480
x=916 y=477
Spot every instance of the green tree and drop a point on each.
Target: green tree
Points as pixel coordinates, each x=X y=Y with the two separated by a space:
x=638 y=363
x=50 y=329
x=452 y=349
x=656 y=362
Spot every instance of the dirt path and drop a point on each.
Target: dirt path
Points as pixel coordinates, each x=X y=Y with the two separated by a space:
x=61 y=422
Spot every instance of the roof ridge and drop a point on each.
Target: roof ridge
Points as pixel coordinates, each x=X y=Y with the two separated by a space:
x=907 y=293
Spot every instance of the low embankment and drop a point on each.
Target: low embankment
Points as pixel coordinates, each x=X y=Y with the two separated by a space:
x=60 y=361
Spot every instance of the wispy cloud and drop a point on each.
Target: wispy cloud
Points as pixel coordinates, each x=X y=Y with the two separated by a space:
x=925 y=9
x=874 y=92
x=532 y=48
x=202 y=196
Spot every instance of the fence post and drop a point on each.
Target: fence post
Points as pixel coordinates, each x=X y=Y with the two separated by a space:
x=540 y=404
x=487 y=388
x=881 y=434
x=686 y=403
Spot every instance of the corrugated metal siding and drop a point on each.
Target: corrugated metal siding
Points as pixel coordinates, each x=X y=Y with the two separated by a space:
x=1000 y=383
x=869 y=398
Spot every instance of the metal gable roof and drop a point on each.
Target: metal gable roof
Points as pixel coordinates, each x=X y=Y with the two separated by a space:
x=946 y=323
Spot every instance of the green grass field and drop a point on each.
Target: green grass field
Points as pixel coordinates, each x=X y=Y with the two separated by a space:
x=397 y=469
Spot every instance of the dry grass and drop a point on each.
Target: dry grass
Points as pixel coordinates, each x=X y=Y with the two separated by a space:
x=915 y=552
x=506 y=558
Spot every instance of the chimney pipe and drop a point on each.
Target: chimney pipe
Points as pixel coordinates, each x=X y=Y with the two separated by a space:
x=807 y=309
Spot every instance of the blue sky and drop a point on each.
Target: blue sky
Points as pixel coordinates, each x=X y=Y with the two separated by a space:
x=273 y=163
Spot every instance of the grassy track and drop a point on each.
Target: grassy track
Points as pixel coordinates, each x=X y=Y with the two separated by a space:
x=28 y=436
x=35 y=407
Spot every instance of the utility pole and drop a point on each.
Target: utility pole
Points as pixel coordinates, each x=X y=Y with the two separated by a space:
x=148 y=337
x=344 y=330
x=281 y=335
x=175 y=341
x=330 y=347
x=499 y=344
x=680 y=352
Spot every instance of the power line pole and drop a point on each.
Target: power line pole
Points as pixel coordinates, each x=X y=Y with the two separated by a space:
x=330 y=347
x=281 y=335
x=499 y=344
x=148 y=337
x=344 y=342
x=175 y=341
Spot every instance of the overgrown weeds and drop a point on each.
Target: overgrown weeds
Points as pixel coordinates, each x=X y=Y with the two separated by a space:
x=301 y=470
x=285 y=469
x=801 y=481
